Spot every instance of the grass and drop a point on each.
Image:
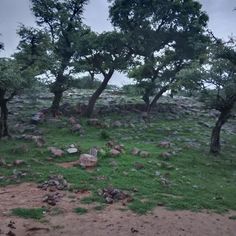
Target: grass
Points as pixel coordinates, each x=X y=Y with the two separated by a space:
x=191 y=179
x=80 y=210
x=32 y=213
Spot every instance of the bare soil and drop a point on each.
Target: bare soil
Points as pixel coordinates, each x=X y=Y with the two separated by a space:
x=113 y=220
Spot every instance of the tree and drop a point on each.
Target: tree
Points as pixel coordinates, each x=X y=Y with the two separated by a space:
x=103 y=54
x=165 y=36
x=12 y=80
x=221 y=74
x=60 y=22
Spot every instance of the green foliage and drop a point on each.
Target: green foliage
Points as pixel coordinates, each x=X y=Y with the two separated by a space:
x=50 y=48
x=165 y=37
x=81 y=211
x=220 y=73
x=105 y=135
x=33 y=213
x=85 y=82
x=132 y=90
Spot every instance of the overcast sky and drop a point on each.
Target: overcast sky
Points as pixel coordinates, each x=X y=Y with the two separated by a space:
x=13 y=12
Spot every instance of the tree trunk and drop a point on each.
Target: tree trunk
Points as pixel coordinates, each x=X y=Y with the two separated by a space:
x=215 y=136
x=96 y=94
x=3 y=119
x=56 y=103
x=156 y=98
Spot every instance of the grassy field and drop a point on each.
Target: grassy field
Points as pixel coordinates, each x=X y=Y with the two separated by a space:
x=189 y=179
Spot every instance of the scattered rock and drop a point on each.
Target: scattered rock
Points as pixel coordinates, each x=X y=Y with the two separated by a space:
x=55 y=182
x=164 y=144
x=37 y=118
x=72 y=149
x=114 y=152
x=52 y=199
x=56 y=152
x=88 y=161
x=18 y=162
x=93 y=151
x=116 y=124
x=76 y=128
x=112 y=194
x=165 y=155
x=119 y=147
x=94 y=122
x=135 y=151
x=72 y=120
x=144 y=154
x=2 y=162
x=38 y=140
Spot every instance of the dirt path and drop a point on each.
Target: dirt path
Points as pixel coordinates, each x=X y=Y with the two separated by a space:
x=110 y=221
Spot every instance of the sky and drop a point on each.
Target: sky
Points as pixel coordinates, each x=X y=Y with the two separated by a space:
x=14 y=12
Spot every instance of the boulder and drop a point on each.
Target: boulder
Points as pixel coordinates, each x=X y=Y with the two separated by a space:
x=56 y=152
x=87 y=160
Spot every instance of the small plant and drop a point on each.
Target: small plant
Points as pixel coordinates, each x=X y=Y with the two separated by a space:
x=31 y=213
x=104 y=135
x=80 y=210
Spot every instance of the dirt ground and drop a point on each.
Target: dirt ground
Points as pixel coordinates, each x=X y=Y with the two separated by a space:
x=110 y=221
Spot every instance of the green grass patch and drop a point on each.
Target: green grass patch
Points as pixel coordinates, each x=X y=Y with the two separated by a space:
x=29 y=213
x=80 y=210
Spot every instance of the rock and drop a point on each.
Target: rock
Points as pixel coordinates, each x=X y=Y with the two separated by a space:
x=112 y=194
x=144 y=154
x=72 y=150
x=72 y=120
x=2 y=162
x=18 y=162
x=55 y=182
x=88 y=161
x=56 y=152
x=94 y=122
x=165 y=155
x=37 y=118
x=52 y=199
x=114 y=152
x=164 y=144
x=76 y=128
x=93 y=152
x=116 y=124
x=135 y=151
x=119 y=147
x=110 y=144
x=38 y=140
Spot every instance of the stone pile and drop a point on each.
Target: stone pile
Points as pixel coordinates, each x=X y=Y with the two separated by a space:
x=113 y=194
x=56 y=182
